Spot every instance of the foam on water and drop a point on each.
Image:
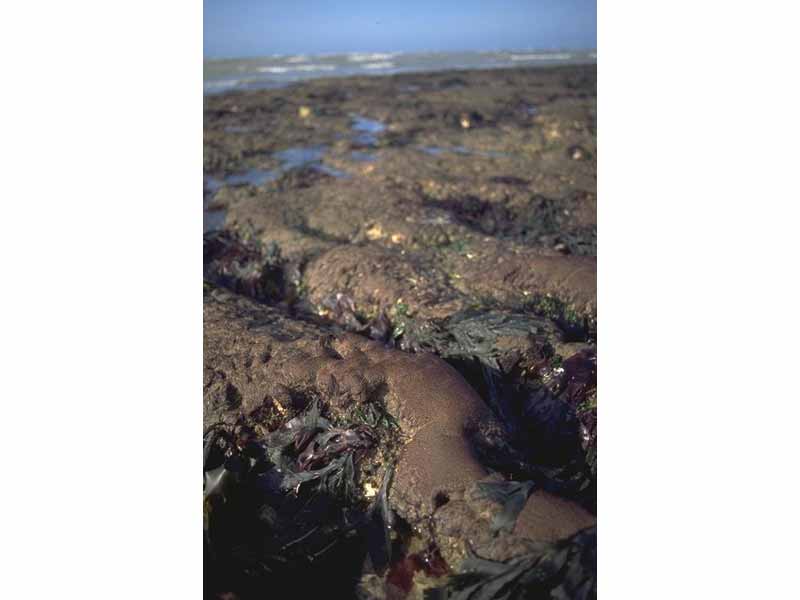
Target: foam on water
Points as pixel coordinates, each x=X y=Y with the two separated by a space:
x=316 y=68
x=543 y=56
x=378 y=65
x=359 y=57
x=298 y=68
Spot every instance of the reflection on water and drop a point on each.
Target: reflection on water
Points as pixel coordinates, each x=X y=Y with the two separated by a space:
x=311 y=156
x=367 y=129
x=331 y=171
x=291 y=158
x=368 y=125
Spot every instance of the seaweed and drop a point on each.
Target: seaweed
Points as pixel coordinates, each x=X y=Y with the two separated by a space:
x=381 y=523
x=278 y=506
x=374 y=415
x=541 y=221
x=474 y=333
x=342 y=310
x=429 y=561
x=544 y=436
x=558 y=571
x=512 y=495
x=578 y=387
x=575 y=327
x=244 y=266
x=545 y=418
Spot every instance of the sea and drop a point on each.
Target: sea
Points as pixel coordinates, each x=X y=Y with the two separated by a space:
x=281 y=70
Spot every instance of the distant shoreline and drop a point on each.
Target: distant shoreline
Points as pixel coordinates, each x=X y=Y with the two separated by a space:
x=224 y=75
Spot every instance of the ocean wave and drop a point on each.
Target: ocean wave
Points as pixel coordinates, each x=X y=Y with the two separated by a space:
x=378 y=65
x=364 y=57
x=297 y=68
x=316 y=68
x=297 y=59
x=221 y=83
x=562 y=56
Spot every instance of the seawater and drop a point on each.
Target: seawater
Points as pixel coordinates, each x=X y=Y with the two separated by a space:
x=278 y=71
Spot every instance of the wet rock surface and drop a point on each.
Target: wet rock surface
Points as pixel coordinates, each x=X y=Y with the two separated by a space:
x=438 y=311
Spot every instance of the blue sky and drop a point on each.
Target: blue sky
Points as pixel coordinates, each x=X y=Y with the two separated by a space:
x=239 y=28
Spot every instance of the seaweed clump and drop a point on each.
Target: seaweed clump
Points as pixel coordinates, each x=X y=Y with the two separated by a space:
x=246 y=267
x=577 y=386
x=541 y=221
x=282 y=508
x=512 y=496
x=547 y=406
x=341 y=309
x=565 y=569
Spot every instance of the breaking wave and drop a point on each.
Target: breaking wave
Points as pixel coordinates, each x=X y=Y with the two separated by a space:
x=378 y=65
x=364 y=57
x=297 y=68
x=548 y=56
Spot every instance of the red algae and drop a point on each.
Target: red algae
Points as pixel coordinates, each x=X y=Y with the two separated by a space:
x=429 y=561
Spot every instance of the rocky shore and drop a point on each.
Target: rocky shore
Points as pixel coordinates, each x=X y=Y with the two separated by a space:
x=400 y=324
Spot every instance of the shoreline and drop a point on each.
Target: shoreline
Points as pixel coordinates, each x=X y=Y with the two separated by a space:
x=360 y=78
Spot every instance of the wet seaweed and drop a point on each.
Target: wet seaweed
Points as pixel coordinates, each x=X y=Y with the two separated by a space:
x=549 y=427
x=541 y=221
x=381 y=523
x=278 y=506
x=428 y=561
x=474 y=333
x=563 y=570
x=543 y=437
x=341 y=309
x=575 y=327
x=512 y=496
x=244 y=266
x=577 y=385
